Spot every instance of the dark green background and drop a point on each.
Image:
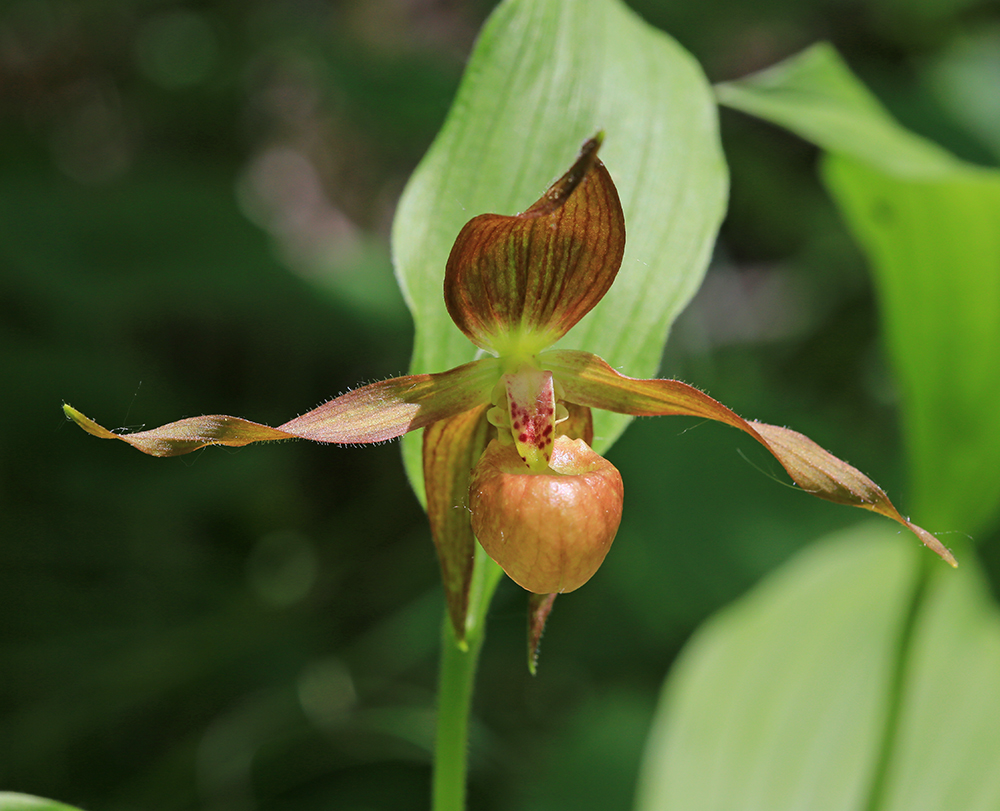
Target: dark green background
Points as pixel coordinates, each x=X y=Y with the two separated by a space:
x=194 y=210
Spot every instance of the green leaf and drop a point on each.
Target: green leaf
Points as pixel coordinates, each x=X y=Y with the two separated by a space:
x=26 y=802
x=935 y=246
x=782 y=700
x=948 y=749
x=815 y=95
x=777 y=702
x=546 y=75
x=930 y=226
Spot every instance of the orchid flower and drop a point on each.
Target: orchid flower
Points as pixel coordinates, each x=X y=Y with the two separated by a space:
x=506 y=448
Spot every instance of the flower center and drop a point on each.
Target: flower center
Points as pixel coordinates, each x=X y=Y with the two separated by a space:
x=526 y=412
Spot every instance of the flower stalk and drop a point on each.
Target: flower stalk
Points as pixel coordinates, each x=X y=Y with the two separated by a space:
x=456 y=680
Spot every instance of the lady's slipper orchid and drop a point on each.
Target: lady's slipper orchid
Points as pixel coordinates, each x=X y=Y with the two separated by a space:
x=506 y=454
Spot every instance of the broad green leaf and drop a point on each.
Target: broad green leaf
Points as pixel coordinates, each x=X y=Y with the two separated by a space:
x=930 y=225
x=781 y=701
x=935 y=246
x=948 y=748
x=546 y=75
x=816 y=96
x=26 y=802
x=778 y=702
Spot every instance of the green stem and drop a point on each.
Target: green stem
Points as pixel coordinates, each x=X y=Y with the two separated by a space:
x=458 y=674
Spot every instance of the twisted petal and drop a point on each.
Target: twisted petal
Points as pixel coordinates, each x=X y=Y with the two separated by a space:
x=451 y=448
x=520 y=282
x=588 y=380
x=374 y=413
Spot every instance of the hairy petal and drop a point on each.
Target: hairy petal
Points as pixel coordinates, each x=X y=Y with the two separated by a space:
x=373 y=413
x=451 y=449
x=390 y=408
x=587 y=380
x=521 y=282
x=186 y=435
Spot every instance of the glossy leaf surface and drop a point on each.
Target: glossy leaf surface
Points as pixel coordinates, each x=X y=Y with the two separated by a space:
x=947 y=753
x=816 y=96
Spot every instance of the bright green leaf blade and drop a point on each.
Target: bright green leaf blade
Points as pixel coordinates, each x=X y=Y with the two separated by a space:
x=545 y=76
x=779 y=702
x=930 y=225
x=26 y=802
x=935 y=246
x=815 y=95
x=948 y=750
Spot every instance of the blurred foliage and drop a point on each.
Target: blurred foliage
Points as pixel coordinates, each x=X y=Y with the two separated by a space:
x=838 y=679
x=194 y=210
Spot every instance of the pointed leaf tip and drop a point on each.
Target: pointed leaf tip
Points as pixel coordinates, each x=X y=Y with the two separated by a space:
x=85 y=422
